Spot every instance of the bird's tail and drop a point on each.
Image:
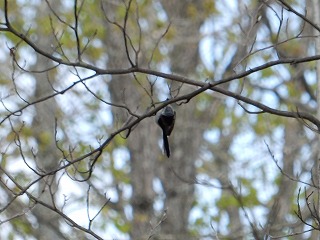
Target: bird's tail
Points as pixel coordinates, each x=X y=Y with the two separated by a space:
x=166 y=144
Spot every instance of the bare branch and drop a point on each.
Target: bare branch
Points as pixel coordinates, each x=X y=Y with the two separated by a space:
x=291 y=9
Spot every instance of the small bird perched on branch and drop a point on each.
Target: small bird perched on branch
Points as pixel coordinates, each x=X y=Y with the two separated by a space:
x=165 y=119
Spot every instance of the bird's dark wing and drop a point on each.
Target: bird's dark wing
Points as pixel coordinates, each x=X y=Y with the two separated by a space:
x=170 y=128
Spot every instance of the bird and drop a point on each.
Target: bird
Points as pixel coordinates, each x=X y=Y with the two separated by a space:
x=165 y=119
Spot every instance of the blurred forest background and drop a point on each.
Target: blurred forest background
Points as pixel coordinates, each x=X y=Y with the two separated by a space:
x=81 y=154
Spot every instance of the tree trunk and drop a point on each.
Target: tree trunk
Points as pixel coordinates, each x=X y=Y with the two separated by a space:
x=44 y=132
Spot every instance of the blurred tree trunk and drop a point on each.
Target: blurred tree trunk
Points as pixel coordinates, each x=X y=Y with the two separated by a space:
x=177 y=172
x=43 y=127
x=146 y=165
x=142 y=142
x=223 y=158
x=314 y=8
x=291 y=149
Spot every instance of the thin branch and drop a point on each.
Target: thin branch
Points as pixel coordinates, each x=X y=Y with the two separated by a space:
x=76 y=26
x=125 y=37
x=303 y=17
x=284 y=173
x=48 y=206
